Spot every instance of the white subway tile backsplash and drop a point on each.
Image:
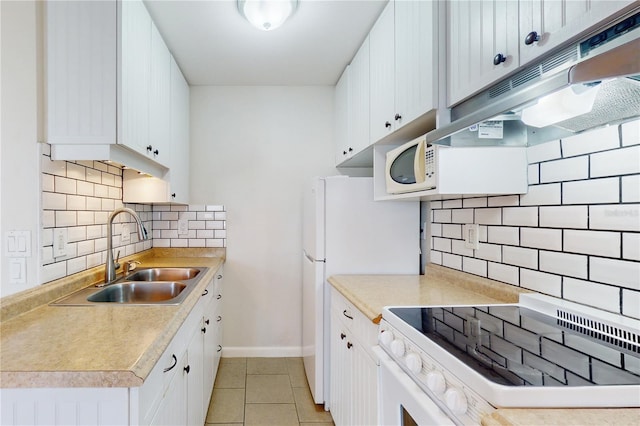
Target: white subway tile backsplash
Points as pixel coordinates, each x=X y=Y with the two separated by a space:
x=503 y=235
x=85 y=188
x=48 y=219
x=593 y=294
x=170 y=216
x=533 y=174
x=596 y=140
x=506 y=200
x=452 y=231
x=442 y=216
x=76 y=233
x=520 y=216
x=599 y=243
x=564 y=217
x=94 y=176
x=540 y=195
x=108 y=205
x=435 y=257
x=519 y=256
x=622 y=161
x=505 y=273
x=457 y=247
x=108 y=179
x=54 y=271
x=94 y=260
x=76 y=171
x=161 y=242
x=100 y=166
x=563 y=170
x=572 y=265
x=452 y=204
x=204 y=233
x=472 y=202
x=631 y=189
x=169 y=233
x=53 y=201
x=462 y=216
x=441 y=244
x=215 y=208
x=94 y=203
x=48 y=183
x=436 y=230
x=544 y=238
x=179 y=242
x=76 y=202
x=621 y=273
x=631 y=246
x=474 y=266
x=592 y=191
x=194 y=242
x=452 y=261
x=76 y=265
x=488 y=216
x=631 y=133
x=544 y=152
x=615 y=217
x=86 y=247
x=65 y=218
x=214 y=224
x=490 y=252
x=631 y=303
x=541 y=282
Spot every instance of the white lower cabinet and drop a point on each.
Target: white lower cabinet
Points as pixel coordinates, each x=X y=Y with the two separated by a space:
x=354 y=369
x=176 y=391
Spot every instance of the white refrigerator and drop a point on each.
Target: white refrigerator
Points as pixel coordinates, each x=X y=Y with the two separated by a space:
x=346 y=232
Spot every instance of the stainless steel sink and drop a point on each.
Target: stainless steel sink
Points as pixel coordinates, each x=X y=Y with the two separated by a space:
x=139 y=292
x=163 y=274
x=148 y=286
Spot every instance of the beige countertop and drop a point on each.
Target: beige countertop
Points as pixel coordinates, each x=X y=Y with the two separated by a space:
x=439 y=286
x=444 y=286
x=92 y=346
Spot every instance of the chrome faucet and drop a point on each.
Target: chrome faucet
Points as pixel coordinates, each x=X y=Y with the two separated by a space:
x=110 y=265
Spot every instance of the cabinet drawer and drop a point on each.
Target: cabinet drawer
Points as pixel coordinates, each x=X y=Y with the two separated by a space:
x=361 y=327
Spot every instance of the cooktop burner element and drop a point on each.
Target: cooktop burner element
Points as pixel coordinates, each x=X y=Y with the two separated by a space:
x=516 y=346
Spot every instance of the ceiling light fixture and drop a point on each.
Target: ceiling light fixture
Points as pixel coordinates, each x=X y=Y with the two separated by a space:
x=267 y=15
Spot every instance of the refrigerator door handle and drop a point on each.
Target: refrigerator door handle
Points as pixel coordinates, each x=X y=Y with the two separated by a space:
x=309 y=258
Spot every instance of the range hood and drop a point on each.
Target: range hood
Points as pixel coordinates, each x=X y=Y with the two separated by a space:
x=592 y=83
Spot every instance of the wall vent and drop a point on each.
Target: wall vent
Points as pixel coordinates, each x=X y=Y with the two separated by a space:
x=595 y=329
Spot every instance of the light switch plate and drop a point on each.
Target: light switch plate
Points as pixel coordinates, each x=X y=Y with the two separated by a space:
x=17 y=244
x=59 y=242
x=183 y=227
x=126 y=233
x=472 y=236
x=17 y=270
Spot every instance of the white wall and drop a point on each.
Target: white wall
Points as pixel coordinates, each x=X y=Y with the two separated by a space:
x=19 y=179
x=252 y=149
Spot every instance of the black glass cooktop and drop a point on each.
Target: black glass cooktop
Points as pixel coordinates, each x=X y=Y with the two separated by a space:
x=516 y=346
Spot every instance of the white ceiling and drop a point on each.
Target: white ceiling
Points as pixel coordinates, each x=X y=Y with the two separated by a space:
x=214 y=45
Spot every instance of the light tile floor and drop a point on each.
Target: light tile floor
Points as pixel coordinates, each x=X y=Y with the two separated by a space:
x=264 y=391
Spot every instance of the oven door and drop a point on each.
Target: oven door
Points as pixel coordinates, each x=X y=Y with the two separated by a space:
x=401 y=401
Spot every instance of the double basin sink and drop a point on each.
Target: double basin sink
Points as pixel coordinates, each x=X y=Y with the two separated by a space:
x=147 y=286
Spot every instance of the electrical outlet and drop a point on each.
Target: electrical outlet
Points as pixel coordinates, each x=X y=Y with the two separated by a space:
x=183 y=227
x=59 y=242
x=126 y=233
x=472 y=236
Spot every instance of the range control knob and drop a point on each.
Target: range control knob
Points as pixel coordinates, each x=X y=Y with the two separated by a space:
x=397 y=347
x=414 y=363
x=386 y=337
x=436 y=382
x=456 y=401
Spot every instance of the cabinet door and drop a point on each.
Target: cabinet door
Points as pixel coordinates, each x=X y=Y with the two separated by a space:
x=179 y=162
x=135 y=47
x=382 y=72
x=81 y=72
x=365 y=386
x=340 y=374
x=341 y=118
x=416 y=71
x=210 y=346
x=478 y=32
x=173 y=409
x=359 y=100
x=194 y=368
x=556 y=22
x=160 y=99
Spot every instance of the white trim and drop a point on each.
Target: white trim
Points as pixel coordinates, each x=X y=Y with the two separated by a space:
x=261 y=351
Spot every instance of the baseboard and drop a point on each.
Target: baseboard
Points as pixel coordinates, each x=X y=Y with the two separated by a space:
x=261 y=351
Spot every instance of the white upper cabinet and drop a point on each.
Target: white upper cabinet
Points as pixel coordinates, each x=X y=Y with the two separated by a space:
x=179 y=164
x=488 y=39
x=553 y=22
x=108 y=85
x=341 y=119
x=404 y=46
x=482 y=44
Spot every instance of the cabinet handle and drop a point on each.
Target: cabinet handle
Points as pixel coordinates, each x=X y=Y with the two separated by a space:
x=206 y=322
x=398 y=117
x=173 y=195
x=203 y=329
x=350 y=149
x=498 y=59
x=219 y=318
x=156 y=152
x=387 y=124
x=149 y=148
x=175 y=361
x=349 y=345
x=531 y=38
x=219 y=348
x=206 y=291
x=187 y=369
x=344 y=152
x=342 y=336
x=345 y=314
x=219 y=297
x=219 y=277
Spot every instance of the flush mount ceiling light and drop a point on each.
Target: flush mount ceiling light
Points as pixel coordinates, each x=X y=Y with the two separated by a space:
x=267 y=15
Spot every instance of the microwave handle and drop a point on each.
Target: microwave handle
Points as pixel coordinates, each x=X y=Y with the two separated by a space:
x=419 y=162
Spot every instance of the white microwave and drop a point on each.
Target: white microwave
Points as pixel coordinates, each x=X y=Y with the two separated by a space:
x=411 y=167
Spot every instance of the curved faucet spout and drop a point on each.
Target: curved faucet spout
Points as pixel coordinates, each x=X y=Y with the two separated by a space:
x=110 y=265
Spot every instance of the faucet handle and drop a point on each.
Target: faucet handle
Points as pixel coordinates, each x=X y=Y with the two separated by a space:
x=130 y=265
x=117 y=265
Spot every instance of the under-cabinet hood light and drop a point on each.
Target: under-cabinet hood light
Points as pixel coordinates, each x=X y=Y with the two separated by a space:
x=267 y=15
x=562 y=105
